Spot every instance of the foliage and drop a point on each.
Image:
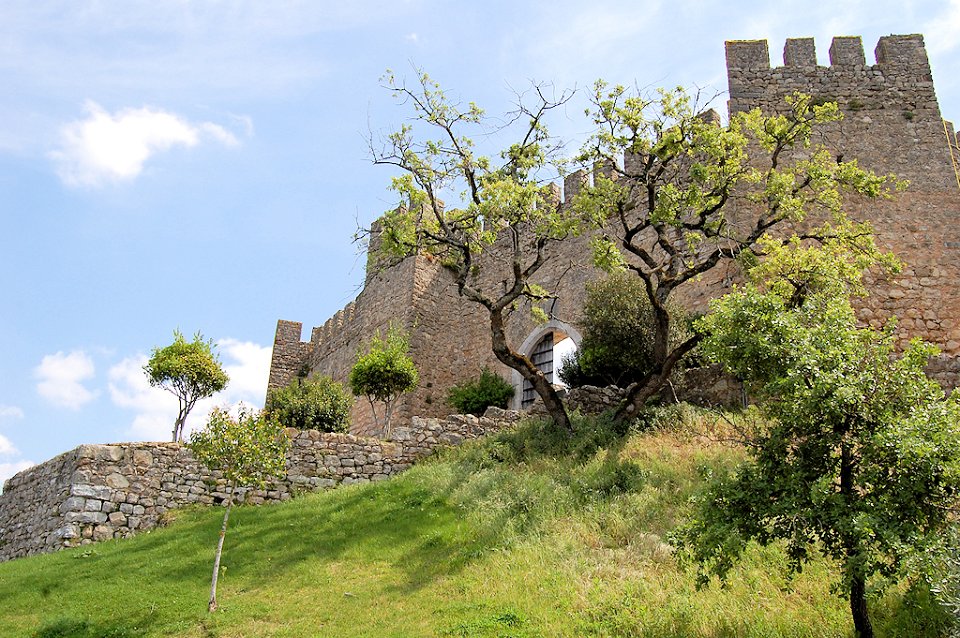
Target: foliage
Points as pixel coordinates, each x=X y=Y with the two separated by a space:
x=476 y=395
x=858 y=454
x=666 y=212
x=247 y=451
x=317 y=403
x=189 y=370
x=944 y=568
x=384 y=372
x=618 y=331
x=455 y=203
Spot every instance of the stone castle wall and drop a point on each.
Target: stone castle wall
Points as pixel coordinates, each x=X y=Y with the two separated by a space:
x=98 y=492
x=892 y=124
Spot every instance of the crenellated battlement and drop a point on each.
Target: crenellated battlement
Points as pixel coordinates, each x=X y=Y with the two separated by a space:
x=892 y=118
x=904 y=54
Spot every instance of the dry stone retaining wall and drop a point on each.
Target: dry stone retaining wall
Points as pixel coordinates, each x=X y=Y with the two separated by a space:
x=98 y=492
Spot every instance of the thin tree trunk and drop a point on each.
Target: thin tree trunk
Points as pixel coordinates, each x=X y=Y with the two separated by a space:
x=858 y=584
x=858 y=607
x=212 y=605
x=387 y=415
x=178 y=427
x=373 y=410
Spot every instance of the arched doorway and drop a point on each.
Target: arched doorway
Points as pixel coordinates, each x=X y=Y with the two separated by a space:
x=546 y=346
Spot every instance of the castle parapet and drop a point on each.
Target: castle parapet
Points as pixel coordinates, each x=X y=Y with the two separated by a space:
x=800 y=52
x=572 y=184
x=290 y=354
x=747 y=54
x=905 y=52
x=892 y=119
x=847 y=51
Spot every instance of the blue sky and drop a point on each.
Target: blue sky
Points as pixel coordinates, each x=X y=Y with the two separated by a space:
x=203 y=165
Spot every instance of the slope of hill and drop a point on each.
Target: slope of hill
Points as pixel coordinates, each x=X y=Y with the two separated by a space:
x=522 y=535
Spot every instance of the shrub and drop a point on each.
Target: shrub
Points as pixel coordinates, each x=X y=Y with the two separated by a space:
x=319 y=403
x=476 y=395
x=618 y=335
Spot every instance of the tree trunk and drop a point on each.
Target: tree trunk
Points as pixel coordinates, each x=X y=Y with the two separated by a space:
x=858 y=607
x=387 y=415
x=506 y=355
x=376 y=419
x=643 y=391
x=178 y=427
x=858 y=580
x=212 y=605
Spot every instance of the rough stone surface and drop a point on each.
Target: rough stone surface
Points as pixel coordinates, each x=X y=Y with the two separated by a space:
x=97 y=492
x=892 y=124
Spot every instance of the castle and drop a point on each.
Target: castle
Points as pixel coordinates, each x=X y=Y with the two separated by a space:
x=892 y=124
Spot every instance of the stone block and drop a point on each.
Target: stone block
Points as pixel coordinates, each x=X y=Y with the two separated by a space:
x=142 y=458
x=101 y=492
x=102 y=533
x=117 y=481
x=67 y=532
x=73 y=504
x=85 y=518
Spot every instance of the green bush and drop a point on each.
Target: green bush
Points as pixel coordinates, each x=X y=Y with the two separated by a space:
x=318 y=403
x=618 y=335
x=476 y=395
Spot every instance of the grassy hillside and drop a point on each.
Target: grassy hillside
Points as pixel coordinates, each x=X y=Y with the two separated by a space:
x=523 y=535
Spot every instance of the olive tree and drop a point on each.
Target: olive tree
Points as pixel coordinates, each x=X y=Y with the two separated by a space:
x=496 y=199
x=248 y=450
x=677 y=193
x=384 y=373
x=857 y=455
x=190 y=370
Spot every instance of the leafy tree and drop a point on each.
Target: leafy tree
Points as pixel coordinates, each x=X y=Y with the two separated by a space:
x=500 y=199
x=384 y=373
x=476 y=395
x=248 y=450
x=190 y=370
x=317 y=403
x=858 y=452
x=618 y=331
x=666 y=213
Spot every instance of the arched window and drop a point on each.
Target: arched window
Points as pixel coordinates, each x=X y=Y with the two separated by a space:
x=547 y=347
x=542 y=357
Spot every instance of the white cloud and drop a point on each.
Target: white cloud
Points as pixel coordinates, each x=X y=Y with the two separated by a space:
x=106 y=147
x=246 y=363
x=6 y=447
x=9 y=469
x=10 y=412
x=60 y=379
x=940 y=34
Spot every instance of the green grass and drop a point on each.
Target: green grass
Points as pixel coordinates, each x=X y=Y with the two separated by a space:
x=526 y=534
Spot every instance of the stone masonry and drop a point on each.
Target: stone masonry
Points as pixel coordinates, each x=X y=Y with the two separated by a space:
x=97 y=492
x=892 y=124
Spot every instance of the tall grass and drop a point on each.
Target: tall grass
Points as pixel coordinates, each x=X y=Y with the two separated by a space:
x=528 y=533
